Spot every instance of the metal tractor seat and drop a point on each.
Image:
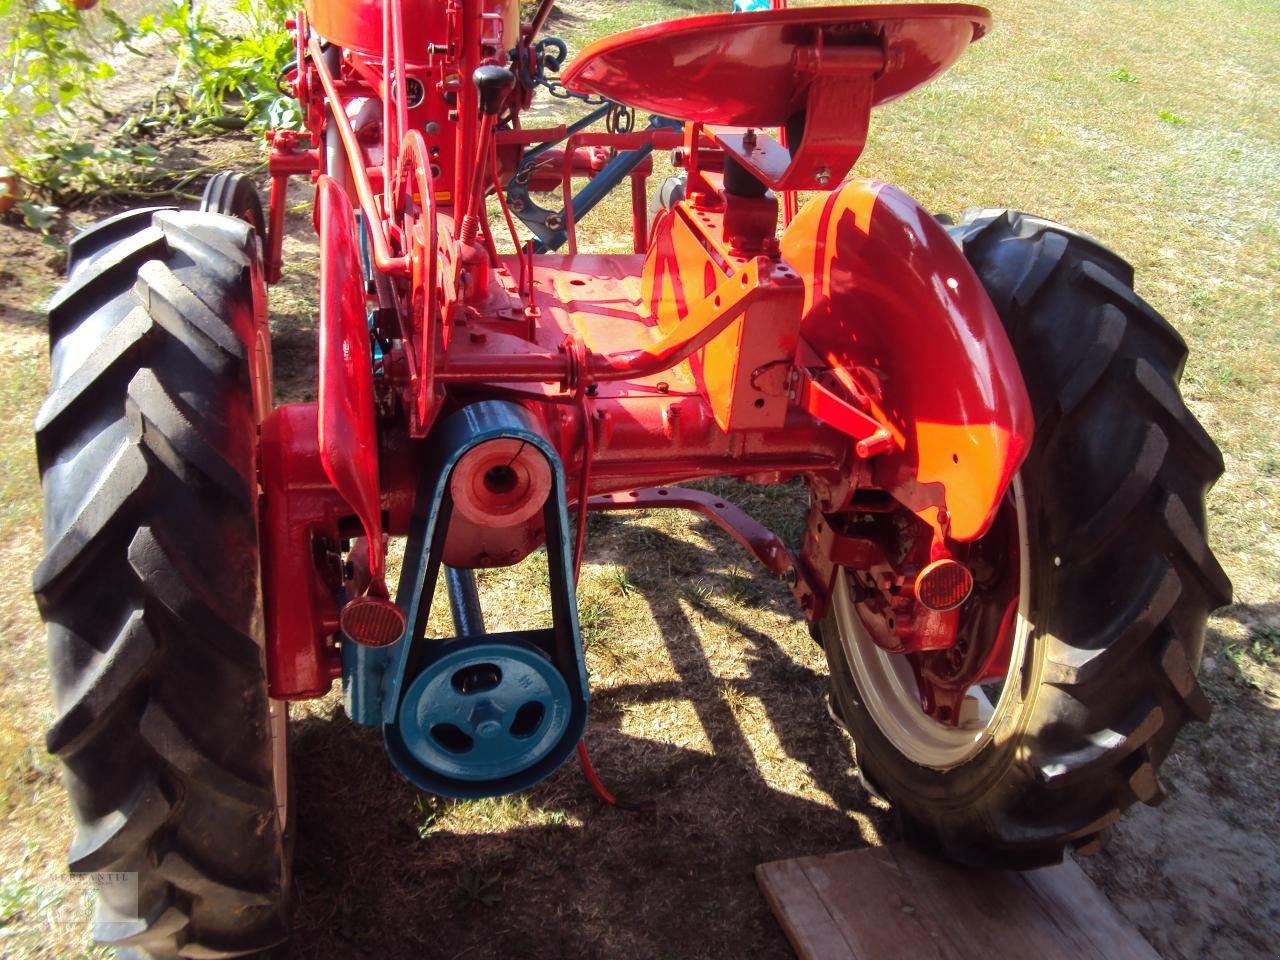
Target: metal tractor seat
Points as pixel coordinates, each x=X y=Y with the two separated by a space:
x=816 y=71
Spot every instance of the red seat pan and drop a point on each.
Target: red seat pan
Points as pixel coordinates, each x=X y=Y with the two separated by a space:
x=736 y=69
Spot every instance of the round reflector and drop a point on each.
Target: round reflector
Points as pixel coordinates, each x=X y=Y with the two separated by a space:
x=944 y=585
x=372 y=621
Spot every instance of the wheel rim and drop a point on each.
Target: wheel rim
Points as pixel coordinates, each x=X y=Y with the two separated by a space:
x=887 y=684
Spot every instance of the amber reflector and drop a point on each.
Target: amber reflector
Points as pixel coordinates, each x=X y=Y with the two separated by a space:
x=944 y=585
x=372 y=621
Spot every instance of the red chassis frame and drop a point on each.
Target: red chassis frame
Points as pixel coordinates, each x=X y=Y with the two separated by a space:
x=857 y=352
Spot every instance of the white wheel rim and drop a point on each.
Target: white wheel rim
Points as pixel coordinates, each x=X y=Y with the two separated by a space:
x=888 y=686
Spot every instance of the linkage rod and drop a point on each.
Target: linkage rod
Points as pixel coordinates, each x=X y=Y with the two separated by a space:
x=383 y=258
x=540 y=18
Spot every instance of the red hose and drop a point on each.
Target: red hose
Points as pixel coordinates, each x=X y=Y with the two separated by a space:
x=589 y=772
x=584 y=487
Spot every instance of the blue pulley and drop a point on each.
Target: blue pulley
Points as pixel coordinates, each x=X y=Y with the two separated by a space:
x=481 y=714
x=485 y=709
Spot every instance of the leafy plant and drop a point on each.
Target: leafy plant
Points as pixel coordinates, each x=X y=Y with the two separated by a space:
x=738 y=585
x=697 y=593
x=618 y=581
x=474 y=889
x=55 y=55
x=593 y=618
x=233 y=80
x=58 y=56
x=1263 y=644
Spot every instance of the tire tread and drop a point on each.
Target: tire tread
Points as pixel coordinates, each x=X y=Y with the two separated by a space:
x=148 y=447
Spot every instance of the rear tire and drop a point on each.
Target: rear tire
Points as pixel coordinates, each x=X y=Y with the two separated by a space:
x=150 y=584
x=1121 y=579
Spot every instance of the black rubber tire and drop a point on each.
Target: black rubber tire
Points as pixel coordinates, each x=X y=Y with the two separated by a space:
x=1122 y=579
x=235 y=195
x=147 y=447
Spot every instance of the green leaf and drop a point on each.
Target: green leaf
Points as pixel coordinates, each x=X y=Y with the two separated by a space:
x=38 y=216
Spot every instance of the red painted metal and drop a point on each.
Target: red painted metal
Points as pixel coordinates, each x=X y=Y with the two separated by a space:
x=690 y=271
x=301 y=566
x=857 y=353
x=348 y=437
x=383 y=257
x=290 y=155
x=762 y=542
x=826 y=405
x=546 y=175
x=358 y=24
x=743 y=69
x=840 y=90
x=985 y=624
x=414 y=209
x=891 y=300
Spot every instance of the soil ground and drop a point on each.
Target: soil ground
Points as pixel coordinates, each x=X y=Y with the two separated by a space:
x=707 y=689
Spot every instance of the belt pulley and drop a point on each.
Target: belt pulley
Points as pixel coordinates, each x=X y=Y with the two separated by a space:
x=482 y=714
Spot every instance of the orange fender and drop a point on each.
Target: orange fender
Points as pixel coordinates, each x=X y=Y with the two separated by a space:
x=891 y=300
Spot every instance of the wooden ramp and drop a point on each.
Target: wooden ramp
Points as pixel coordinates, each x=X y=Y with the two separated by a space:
x=891 y=903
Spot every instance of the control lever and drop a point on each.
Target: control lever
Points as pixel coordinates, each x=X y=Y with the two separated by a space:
x=493 y=83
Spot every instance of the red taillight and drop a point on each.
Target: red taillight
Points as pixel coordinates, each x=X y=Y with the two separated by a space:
x=372 y=621
x=944 y=585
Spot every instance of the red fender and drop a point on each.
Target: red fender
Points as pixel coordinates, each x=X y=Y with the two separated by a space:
x=891 y=300
x=347 y=432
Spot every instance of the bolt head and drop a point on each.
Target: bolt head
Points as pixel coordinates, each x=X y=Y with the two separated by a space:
x=486 y=720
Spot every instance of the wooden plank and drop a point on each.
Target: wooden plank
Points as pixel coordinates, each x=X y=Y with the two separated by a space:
x=892 y=903
x=802 y=912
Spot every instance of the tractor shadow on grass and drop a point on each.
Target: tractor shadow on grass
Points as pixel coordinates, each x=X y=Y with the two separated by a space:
x=742 y=762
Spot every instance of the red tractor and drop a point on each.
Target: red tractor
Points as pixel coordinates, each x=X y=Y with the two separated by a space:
x=1005 y=555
